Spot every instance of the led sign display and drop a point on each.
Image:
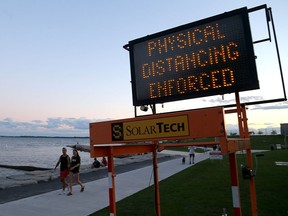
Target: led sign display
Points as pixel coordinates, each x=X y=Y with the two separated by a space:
x=208 y=57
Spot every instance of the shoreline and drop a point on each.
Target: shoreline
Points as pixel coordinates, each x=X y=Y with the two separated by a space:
x=48 y=184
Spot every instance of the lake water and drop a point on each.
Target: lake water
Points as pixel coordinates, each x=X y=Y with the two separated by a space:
x=37 y=151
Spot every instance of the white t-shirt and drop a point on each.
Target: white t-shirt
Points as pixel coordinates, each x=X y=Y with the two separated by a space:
x=191 y=150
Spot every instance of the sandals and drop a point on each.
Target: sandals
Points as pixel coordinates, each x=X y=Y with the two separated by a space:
x=82 y=189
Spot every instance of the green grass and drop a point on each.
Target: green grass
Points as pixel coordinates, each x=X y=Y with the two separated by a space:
x=205 y=189
x=260 y=142
x=265 y=142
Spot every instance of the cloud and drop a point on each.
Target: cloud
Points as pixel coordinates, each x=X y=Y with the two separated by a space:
x=50 y=127
x=277 y=106
x=246 y=99
x=72 y=123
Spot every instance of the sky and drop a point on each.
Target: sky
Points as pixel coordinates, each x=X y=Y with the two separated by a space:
x=63 y=66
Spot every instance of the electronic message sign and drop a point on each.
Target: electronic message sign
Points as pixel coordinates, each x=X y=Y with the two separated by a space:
x=213 y=56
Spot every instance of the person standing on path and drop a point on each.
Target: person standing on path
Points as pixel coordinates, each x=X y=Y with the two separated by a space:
x=74 y=171
x=191 y=154
x=64 y=161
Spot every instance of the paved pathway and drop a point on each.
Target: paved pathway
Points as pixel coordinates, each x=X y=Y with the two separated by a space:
x=95 y=196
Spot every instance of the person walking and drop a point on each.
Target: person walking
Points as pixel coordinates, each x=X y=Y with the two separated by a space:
x=64 y=161
x=74 y=171
x=191 y=154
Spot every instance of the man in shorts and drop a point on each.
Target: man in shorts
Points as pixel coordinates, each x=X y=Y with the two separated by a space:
x=191 y=154
x=64 y=161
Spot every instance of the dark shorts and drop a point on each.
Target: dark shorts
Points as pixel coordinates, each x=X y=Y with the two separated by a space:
x=74 y=171
x=63 y=174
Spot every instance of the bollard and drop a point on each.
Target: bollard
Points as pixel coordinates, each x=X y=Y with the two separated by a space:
x=224 y=212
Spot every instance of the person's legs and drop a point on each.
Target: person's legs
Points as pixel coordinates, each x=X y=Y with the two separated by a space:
x=63 y=183
x=79 y=182
x=70 y=183
x=193 y=157
x=63 y=176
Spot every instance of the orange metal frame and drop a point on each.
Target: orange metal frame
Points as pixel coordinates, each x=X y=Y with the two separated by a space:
x=203 y=123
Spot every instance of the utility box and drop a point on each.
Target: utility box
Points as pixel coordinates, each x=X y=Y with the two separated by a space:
x=284 y=129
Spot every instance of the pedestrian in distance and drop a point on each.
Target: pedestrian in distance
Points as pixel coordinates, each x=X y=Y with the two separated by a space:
x=104 y=161
x=191 y=150
x=64 y=161
x=74 y=171
x=96 y=163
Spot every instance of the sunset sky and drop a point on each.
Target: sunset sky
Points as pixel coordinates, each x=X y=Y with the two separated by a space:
x=62 y=63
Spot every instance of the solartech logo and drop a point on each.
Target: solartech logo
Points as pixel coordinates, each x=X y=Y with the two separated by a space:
x=117 y=132
x=153 y=128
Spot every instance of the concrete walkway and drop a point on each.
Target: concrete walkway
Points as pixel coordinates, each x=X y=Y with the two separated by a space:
x=95 y=196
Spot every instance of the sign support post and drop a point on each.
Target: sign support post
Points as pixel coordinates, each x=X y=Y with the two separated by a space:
x=155 y=170
x=111 y=179
x=235 y=184
x=252 y=186
x=156 y=182
x=244 y=133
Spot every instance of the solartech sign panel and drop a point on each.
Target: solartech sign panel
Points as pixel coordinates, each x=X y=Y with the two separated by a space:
x=152 y=128
x=180 y=125
x=209 y=57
